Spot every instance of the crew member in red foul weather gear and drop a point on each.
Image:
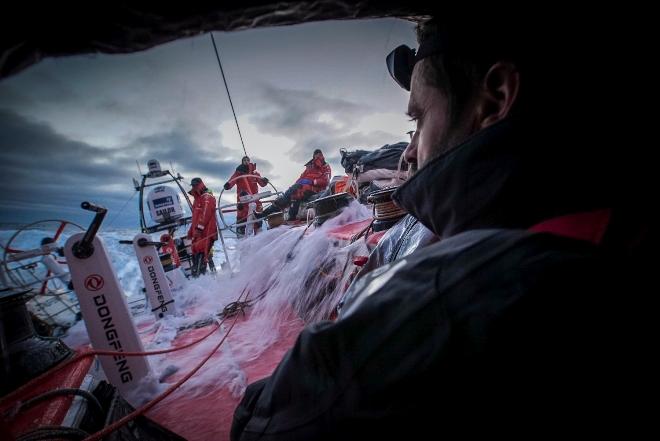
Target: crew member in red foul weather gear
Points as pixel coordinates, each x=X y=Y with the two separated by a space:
x=169 y=247
x=245 y=186
x=313 y=180
x=203 y=228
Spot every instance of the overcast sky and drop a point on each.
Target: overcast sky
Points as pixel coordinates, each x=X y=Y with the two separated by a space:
x=71 y=129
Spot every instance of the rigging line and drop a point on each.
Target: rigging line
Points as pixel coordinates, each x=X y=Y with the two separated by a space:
x=222 y=71
x=112 y=221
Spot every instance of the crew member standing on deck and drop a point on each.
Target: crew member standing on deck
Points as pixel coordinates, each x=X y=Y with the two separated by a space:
x=244 y=187
x=203 y=228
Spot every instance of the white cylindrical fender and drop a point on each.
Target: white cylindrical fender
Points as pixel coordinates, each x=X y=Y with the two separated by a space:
x=156 y=284
x=106 y=314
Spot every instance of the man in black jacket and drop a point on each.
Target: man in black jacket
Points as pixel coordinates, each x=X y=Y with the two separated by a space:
x=513 y=323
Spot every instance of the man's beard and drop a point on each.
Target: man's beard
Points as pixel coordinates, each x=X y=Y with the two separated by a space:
x=455 y=136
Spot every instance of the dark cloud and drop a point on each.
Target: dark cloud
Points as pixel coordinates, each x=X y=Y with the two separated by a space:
x=179 y=148
x=316 y=121
x=74 y=128
x=46 y=87
x=46 y=174
x=35 y=151
x=10 y=98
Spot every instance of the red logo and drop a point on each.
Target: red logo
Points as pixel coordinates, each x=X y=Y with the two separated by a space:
x=94 y=282
x=148 y=260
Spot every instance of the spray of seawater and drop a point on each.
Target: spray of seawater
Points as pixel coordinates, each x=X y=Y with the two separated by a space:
x=291 y=276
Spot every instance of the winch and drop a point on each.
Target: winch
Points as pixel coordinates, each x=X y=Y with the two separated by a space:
x=386 y=212
x=329 y=206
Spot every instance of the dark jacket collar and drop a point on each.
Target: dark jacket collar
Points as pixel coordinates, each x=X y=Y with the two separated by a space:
x=503 y=177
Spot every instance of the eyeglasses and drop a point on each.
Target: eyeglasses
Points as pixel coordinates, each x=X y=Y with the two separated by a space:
x=401 y=61
x=400 y=64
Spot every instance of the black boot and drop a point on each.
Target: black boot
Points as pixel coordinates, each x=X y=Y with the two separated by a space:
x=198 y=265
x=293 y=210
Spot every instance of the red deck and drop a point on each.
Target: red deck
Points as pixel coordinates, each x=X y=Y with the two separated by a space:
x=205 y=416
x=348 y=231
x=53 y=411
x=208 y=416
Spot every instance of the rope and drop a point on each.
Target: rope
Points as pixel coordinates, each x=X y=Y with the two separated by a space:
x=230 y=309
x=159 y=352
x=251 y=302
x=142 y=410
x=289 y=255
x=364 y=232
x=234 y=308
x=93 y=353
x=91 y=399
x=222 y=71
x=387 y=210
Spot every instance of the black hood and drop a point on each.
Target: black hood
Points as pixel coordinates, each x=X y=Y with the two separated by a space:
x=311 y=162
x=505 y=177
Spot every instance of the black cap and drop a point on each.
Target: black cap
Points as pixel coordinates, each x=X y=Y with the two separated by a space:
x=318 y=151
x=195 y=181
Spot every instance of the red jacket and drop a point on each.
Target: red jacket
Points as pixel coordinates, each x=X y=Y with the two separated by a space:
x=246 y=186
x=318 y=171
x=203 y=228
x=170 y=248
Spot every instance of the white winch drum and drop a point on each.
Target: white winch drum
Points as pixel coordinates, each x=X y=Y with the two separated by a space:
x=157 y=285
x=164 y=204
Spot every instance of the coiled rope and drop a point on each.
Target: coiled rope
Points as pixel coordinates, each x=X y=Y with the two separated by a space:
x=387 y=210
x=228 y=312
